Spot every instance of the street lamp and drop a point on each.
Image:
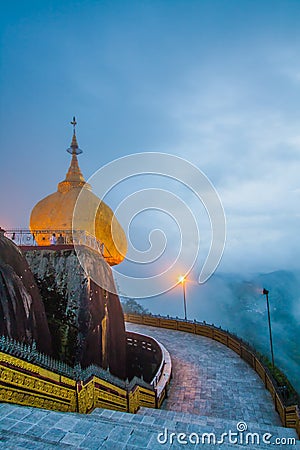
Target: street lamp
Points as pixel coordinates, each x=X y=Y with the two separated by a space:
x=266 y=293
x=181 y=280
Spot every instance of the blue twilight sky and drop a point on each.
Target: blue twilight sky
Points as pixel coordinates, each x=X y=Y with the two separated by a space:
x=216 y=82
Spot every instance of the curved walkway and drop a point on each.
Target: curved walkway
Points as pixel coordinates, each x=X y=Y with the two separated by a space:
x=209 y=379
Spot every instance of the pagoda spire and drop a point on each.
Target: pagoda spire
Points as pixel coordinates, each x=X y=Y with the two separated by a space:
x=74 y=149
x=74 y=177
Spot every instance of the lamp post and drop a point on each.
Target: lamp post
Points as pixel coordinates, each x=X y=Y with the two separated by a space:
x=182 y=281
x=266 y=293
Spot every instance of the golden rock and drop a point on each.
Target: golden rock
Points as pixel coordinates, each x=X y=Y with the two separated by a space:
x=55 y=213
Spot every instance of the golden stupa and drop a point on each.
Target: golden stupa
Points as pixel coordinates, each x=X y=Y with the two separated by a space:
x=54 y=213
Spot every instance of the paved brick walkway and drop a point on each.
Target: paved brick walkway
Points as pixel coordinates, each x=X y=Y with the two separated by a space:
x=211 y=380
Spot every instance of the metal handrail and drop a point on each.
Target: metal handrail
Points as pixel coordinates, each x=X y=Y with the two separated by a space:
x=26 y=237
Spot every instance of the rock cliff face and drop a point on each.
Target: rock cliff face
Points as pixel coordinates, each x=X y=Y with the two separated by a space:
x=22 y=313
x=86 y=322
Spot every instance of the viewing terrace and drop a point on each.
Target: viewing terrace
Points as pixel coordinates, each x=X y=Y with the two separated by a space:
x=56 y=240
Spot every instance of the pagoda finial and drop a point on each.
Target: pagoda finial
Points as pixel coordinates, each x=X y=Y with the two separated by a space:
x=74 y=123
x=74 y=177
x=74 y=149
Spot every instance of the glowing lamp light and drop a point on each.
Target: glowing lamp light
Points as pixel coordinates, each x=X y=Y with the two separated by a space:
x=181 y=280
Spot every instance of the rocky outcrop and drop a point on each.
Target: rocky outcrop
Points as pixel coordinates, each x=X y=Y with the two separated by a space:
x=85 y=320
x=22 y=313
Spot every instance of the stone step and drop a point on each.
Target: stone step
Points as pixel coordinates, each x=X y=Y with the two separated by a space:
x=13 y=441
x=206 y=421
x=159 y=420
x=32 y=428
x=18 y=441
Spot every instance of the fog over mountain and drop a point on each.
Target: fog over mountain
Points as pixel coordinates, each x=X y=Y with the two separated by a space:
x=236 y=303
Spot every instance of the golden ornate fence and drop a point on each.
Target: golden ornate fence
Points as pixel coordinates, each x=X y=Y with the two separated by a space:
x=289 y=415
x=25 y=379
x=28 y=384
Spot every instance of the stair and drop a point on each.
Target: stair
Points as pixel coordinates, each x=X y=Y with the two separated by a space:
x=32 y=428
x=157 y=420
x=187 y=422
x=204 y=421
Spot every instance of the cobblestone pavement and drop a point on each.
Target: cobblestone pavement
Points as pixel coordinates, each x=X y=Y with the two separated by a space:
x=209 y=379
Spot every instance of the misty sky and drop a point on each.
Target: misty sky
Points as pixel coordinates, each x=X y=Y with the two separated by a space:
x=214 y=82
